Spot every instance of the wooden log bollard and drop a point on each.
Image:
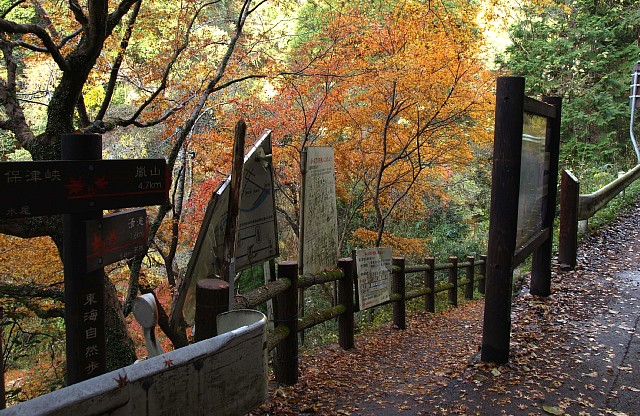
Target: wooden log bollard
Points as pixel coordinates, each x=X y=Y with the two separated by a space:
x=398 y=287
x=212 y=299
x=568 y=238
x=285 y=362
x=453 y=280
x=345 y=297
x=430 y=283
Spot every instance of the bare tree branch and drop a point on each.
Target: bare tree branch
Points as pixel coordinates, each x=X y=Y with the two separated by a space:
x=32 y=291
x=12 y=27
x=67 y=38
x=124 y=43
x=11 y=7
x=172 y=61
x=78 y=13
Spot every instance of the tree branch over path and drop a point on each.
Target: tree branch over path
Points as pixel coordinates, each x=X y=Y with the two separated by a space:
x=176 y=319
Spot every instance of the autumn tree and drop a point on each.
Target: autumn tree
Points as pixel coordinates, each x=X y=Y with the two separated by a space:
x=128 y=68
x=399 y=89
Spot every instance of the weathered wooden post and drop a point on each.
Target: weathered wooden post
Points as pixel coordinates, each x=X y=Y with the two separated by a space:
x=541 y=260
x=345 y=297
x=453 y=280
x=356 y=289
x=483 y=273
x=430 y=283
x=568 y=238
x=84 y=311
x=469 y=271
x=212 y=299
x=285 y=362
x=503 y=221
x=228 y=271
x=398 y=288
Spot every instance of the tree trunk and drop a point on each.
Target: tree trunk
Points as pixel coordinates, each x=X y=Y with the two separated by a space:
x=120 y=349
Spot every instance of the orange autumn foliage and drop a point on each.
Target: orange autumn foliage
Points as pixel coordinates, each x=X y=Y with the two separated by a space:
x=402 y=95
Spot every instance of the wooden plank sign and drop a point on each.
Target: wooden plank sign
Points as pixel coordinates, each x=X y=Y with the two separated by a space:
x=116 y=237
x=37 y=188
x=319 y=218
x=374 y=276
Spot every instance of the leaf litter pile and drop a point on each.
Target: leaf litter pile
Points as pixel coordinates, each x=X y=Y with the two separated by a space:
x=573 y=353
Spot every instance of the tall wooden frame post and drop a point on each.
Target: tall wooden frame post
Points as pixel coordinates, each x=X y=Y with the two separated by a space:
x=541 y=262
x=503 y=220
x=513 y=239
x=83 y=290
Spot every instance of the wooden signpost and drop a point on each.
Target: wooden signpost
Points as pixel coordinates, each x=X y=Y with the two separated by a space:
x=81 y=186
x=116 y=237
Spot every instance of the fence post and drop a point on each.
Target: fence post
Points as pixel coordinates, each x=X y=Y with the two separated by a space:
x=468 y=289
x=356 y=289
x=212 y=299
x=345 y=297
x=398 y=286
x=430 y=283
x=285 y=362
x=483 y=273
x=568 y=238
x=453 y=279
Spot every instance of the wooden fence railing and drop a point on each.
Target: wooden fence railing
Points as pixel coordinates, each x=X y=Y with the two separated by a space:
x=575 y=207
x=287 y=323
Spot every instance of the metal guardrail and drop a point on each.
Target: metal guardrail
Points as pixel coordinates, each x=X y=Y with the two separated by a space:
x=589 y=204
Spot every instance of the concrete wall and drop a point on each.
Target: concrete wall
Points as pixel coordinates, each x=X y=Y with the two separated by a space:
x=224 y=375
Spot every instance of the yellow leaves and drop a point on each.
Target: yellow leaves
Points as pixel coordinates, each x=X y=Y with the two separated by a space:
x=402 y=246
x=28 y=260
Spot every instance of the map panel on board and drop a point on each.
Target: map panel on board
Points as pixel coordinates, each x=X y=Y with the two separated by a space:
x=257 y=231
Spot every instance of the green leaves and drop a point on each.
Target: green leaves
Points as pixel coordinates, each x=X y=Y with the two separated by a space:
x=583 y=51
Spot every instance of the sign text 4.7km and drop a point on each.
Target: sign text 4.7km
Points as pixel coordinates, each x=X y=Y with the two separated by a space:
x=37 y=188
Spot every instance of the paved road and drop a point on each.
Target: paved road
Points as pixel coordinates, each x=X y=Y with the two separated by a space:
x=576 y=352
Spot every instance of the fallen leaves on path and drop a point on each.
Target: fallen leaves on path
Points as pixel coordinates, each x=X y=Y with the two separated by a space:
x=565 y=358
